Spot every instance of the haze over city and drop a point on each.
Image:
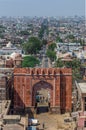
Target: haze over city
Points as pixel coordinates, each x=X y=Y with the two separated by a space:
x=42 y=8
x=42 y=65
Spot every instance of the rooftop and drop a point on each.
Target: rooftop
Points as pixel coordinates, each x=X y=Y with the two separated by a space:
x=12 y=117
x=4 y=107
x=82 y=87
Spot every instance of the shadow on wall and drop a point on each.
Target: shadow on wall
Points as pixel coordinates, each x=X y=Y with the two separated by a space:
x=46 y=93
x=19 y=106
x=62 y=92
x=42 y=109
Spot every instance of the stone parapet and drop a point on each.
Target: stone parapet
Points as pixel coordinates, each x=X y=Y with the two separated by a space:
x=57 y=81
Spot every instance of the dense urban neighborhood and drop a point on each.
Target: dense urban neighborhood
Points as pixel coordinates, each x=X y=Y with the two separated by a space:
x=42 y=73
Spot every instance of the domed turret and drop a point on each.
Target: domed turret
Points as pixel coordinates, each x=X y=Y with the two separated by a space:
x=9 y=44
x=15 y=55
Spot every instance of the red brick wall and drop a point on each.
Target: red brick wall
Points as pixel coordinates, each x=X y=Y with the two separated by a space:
x=26 y=79
x=66 y=89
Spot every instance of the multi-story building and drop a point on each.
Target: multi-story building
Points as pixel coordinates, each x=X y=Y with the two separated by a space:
x=80 y=95
x=3 y=87
x=6 y=83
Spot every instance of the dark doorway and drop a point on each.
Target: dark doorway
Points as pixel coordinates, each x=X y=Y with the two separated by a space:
x=42 y=109
x=42 y=96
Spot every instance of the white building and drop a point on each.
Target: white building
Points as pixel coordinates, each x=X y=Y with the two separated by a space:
x=10 y=49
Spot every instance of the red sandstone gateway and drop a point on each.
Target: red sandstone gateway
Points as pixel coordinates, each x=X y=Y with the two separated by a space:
x=54 y=85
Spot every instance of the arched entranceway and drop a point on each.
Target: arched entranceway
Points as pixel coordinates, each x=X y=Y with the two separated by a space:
x=42 y=95
x=27 y=81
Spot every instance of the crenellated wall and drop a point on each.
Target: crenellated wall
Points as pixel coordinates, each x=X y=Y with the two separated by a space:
x=28 y=80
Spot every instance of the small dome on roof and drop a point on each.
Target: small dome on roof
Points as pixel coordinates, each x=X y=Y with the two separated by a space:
x=14 y=55
x=9 y=44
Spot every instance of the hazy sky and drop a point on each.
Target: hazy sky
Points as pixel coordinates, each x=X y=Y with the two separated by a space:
x=42 y=7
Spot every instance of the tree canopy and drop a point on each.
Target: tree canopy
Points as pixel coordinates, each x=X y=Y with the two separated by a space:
x=52 y=46
x=30 y=61
x=74 y=64
x=43 y=29
x=51 y=51
x=71 y=36
x=51 y=54
x=25 y=32
x=44 y=42
x=32 y=46
x=58 y=39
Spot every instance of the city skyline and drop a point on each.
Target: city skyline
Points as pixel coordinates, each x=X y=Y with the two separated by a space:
x=42 y=8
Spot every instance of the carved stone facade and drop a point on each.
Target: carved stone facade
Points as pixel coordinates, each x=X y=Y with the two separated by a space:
x=27 y=81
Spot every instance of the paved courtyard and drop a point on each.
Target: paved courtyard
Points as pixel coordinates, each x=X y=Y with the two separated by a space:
x=54 y=122
x=13 y=127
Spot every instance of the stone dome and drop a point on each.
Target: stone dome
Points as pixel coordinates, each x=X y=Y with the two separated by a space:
x=14 y=55
x=9 y=44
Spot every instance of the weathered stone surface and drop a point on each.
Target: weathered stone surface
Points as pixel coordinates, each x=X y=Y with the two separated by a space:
x=28 y=80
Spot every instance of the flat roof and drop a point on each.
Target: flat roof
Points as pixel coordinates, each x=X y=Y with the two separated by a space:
x=2 y=75
x=4 y=106
x=12 y=117
x=82 y=87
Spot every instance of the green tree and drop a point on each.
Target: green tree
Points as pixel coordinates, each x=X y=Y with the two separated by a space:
x=58 y=39
x=52 y=46
x=51 y=54
x=59 y=63
x=44 y=42
x=25 y=32
x=1 y=35
x=32 y=46
x=74 y=64
x=43 y=29
x=70 y=36
x=41 y=33
x=82 y=42
x=30 y=61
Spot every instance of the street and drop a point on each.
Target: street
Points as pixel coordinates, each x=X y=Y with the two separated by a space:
x=45 y=62
x=13 y=127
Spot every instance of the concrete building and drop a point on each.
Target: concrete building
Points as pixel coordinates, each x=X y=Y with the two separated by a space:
x=5 y=83
x=81 y=121
x=80 y=95
x=10 y=61
x=3 y=87
x=10 y=49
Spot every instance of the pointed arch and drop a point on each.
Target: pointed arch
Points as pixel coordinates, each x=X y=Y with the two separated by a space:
x=42 y=85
